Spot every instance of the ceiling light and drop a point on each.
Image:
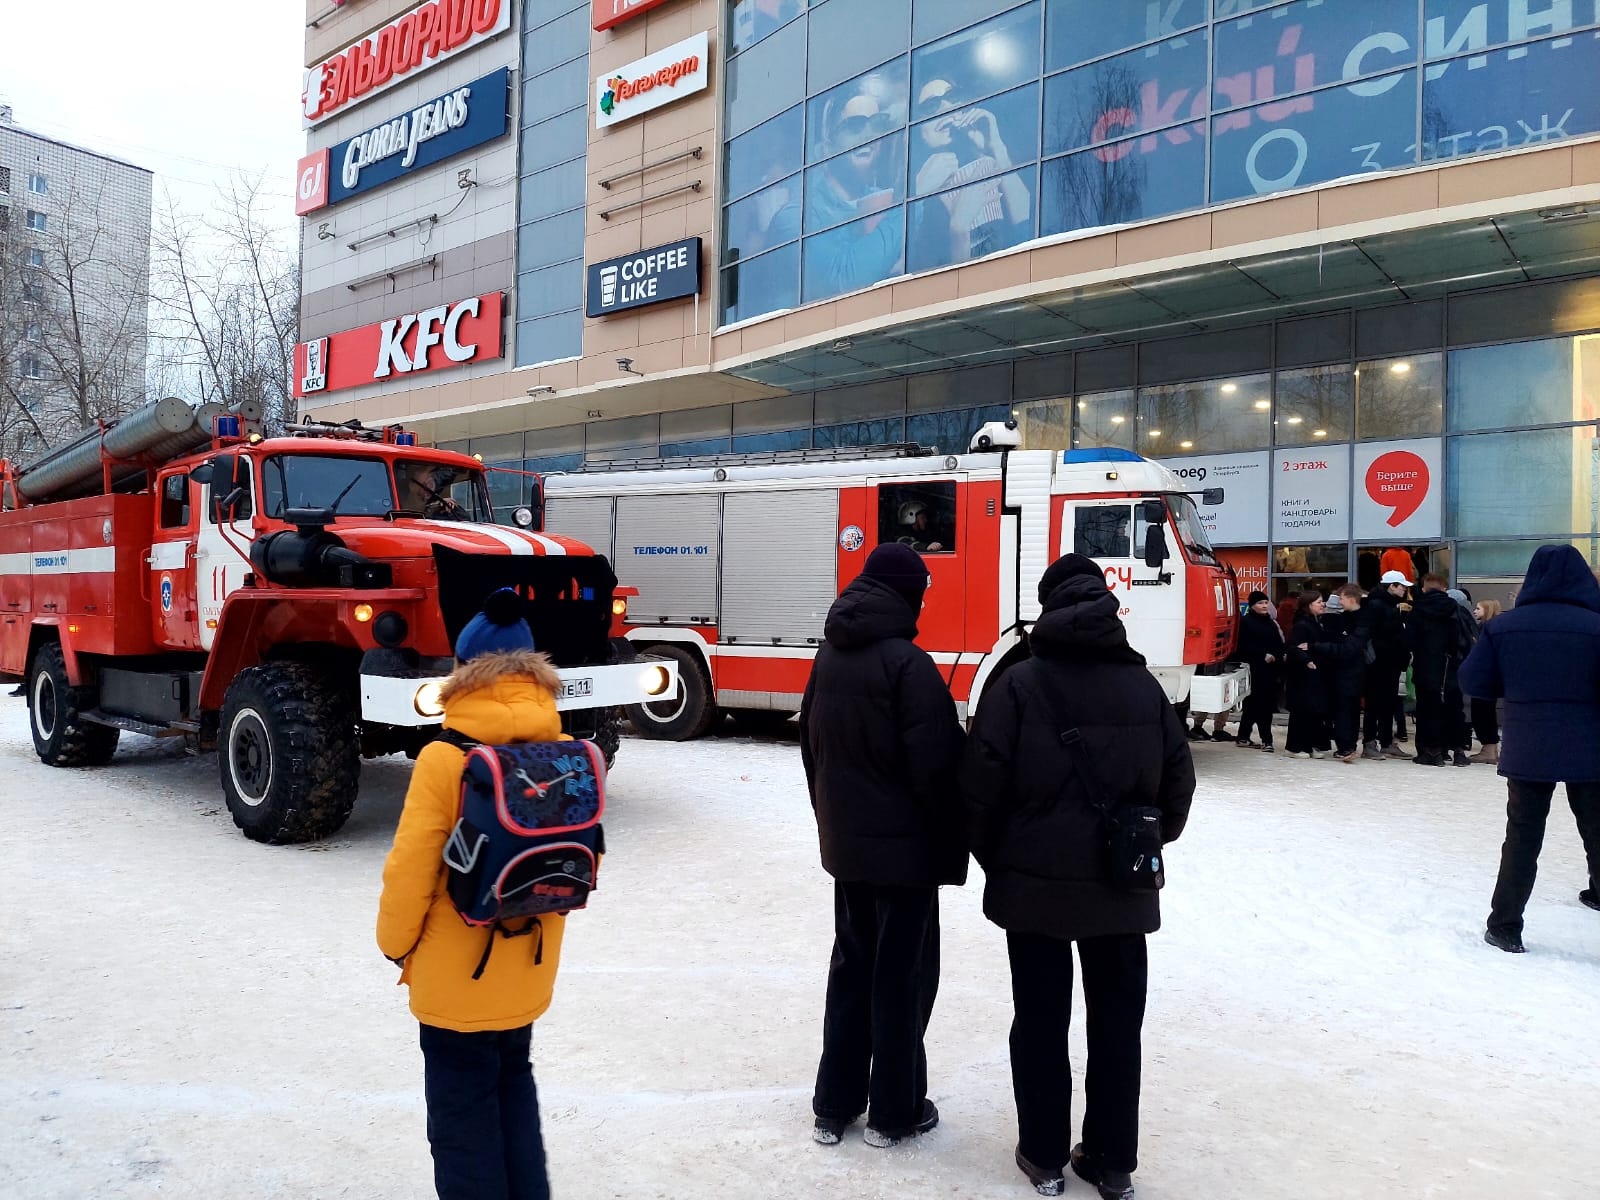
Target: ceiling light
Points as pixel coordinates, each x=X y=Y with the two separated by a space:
x=1152 y=433
x=1296 y=420
x=1118 y=420
x=1229 y=389
x=1399 y=368
x=1319 y=433
x=1263 y=405
x=1186 y=445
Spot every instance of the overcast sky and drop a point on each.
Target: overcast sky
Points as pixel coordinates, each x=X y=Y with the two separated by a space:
x=190 y=89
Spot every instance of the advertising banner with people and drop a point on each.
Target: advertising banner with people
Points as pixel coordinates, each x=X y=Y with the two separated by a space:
x=1241 y=518
x=1397 y=490
x=1311 y=494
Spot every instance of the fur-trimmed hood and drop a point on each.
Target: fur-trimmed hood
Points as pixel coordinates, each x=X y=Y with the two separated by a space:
x=487 y=668
x=504 y=697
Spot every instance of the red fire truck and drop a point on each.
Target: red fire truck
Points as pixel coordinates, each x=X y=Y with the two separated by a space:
x=736 y=562
x=291 y=601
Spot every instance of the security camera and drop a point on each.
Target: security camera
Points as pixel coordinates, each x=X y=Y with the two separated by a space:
x=625 y=364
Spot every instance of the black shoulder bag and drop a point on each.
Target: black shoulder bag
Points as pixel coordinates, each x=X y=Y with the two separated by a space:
x=1132 y=831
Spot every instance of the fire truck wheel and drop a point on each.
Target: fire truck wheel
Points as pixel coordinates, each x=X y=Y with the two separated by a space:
x=687 y=715
x=60 y=738
x=289 y=752
x=609 y=736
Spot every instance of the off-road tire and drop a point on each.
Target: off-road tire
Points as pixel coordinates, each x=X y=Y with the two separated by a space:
x=608 y=737
x=289 y=753
x=687 y=716
x=60 y=737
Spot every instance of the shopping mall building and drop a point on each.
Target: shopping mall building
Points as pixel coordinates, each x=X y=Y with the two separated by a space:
x=1339 y=257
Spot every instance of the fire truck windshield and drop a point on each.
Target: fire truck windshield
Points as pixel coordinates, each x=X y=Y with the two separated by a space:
x=1191 y=530
x=361 y=487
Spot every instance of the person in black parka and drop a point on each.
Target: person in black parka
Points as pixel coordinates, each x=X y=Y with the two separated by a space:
x=1261 y=646
x=1543 y=659
x=1436 y=649
x=1347 y=633
x=1306 y=693
x=881 y=743
x=1035 y=822
x=1384 y=716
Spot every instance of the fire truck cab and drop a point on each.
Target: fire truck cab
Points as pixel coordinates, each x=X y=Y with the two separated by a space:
x=737 y=561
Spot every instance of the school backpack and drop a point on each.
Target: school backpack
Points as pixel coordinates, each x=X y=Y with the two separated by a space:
x=527 y=841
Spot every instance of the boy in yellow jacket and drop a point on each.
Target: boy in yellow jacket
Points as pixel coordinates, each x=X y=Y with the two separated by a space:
x=483 y=1109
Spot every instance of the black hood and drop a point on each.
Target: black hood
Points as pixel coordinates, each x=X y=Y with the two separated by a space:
x=868 y=611
x=1559 y=575
x=1439 y=607
x=1080 y=621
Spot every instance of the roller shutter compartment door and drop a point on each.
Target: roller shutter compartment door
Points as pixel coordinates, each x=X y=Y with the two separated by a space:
x=587 y=518
x=782 y=575
x=667 y=548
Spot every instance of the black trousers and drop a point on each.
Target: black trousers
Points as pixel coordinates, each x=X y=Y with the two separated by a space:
x=1380 y=698
x=1115 y=975
x=1486 y=721
x=1433 y=723
x=1308 y=730
x=1346 y=721
x=1259 y=706
x=882 y=982
x=1458 y=731
x=1527 y=809
x=483 y=1115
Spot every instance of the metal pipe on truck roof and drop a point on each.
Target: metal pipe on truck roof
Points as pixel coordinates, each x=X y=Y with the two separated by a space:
x=164 y=429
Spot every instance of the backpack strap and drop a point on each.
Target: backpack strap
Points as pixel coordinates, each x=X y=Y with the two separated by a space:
x=454 y=737
x=1072 y=740
x=488 y=947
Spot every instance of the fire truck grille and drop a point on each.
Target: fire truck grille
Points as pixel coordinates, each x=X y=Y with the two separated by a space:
x=568 y=598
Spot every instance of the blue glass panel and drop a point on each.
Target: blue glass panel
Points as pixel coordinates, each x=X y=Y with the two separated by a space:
x=865 y=108
x=767 y=152
x=553 y=463
x=753 y=20
x=1077 y=30
x=1161 y=85
x=1524 y=383
x=1516 y=484
x=764 y=81
x=977 y=62
x=1460 y=26
x=787 y=439
x=960 y=145
x=848 y=36
x=971 y=221
x=1126 y=181
x=853 y=256
x=1309 y=43
x=1291 y=143
x=702 y=446
x=761 y=222
x=761 y=285
x=858 y=183
x=860 y=433
x=1506 y=99
x=952 y=432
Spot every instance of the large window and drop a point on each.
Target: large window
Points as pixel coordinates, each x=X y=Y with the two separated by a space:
x=1220 y=414
x=907 y=135
x=1554 y=381
x=1315 y=404
x=1399 y=397
x=1515 y=484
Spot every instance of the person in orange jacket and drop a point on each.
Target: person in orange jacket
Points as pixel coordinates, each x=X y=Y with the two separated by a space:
x=483 y=1108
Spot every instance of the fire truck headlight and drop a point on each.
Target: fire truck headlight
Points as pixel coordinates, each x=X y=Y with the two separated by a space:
x=363 y=613
x=390 y=630
x=619 y=607
x=655 y=680
x=522 y=517
x=428 y=702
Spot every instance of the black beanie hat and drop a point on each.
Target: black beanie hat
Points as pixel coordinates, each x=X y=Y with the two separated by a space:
x=1068 y=566
x=1257 y=597
x=901 y=568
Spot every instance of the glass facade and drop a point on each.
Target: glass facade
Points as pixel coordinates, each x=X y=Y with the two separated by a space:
x=867 y=141
x=554 y=132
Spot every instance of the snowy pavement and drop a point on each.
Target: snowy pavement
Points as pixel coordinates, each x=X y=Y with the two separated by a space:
x=186 y=1013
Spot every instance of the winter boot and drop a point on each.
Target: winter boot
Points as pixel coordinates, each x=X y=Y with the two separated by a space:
x=1245 y=743
x=1221 y=735
x=1373 y=752
x=1461 y=759
x=1199 y=735
x=1588 y=899
x=1045 y=1182
x=1393 y=751
x=1266 y=748
x=1112 y=1185
x=884 y=1138
x=1511 y=943
x=1430 y=758
x=827 y=1131
x=1489 y=753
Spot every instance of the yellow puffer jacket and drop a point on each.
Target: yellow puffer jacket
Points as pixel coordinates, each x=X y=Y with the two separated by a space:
x=496 y=699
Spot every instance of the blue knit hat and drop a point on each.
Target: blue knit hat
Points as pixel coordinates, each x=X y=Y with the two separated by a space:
x=498 y=628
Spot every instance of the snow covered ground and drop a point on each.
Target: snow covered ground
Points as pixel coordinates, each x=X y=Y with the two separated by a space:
x=186 y=1013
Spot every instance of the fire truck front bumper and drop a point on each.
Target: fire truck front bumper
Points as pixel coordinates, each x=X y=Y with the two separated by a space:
x=1221 y=691
x=411 y=698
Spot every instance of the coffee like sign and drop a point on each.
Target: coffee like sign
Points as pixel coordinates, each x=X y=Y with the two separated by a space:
x=405 y=133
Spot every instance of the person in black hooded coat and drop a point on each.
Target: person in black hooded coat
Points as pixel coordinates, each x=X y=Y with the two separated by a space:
x=1306 y=692
x=1035 y=822
x=1262 y=647
x=881 y=744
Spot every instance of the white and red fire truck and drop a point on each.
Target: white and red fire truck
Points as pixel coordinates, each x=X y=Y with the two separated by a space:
x=736 y=562
x=292 y=601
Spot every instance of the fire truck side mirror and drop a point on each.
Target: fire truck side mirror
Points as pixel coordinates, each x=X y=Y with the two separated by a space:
x=229 y=477
x=1211 y=497
x=1155 y=547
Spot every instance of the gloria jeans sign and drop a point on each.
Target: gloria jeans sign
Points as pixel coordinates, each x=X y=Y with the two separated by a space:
x=663 y=273
x=431 y=132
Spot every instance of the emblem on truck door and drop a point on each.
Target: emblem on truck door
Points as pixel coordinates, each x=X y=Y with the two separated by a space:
x=851 y=538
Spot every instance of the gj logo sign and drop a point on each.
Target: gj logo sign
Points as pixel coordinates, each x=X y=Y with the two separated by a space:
x=431 y=132
x=649 y=277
